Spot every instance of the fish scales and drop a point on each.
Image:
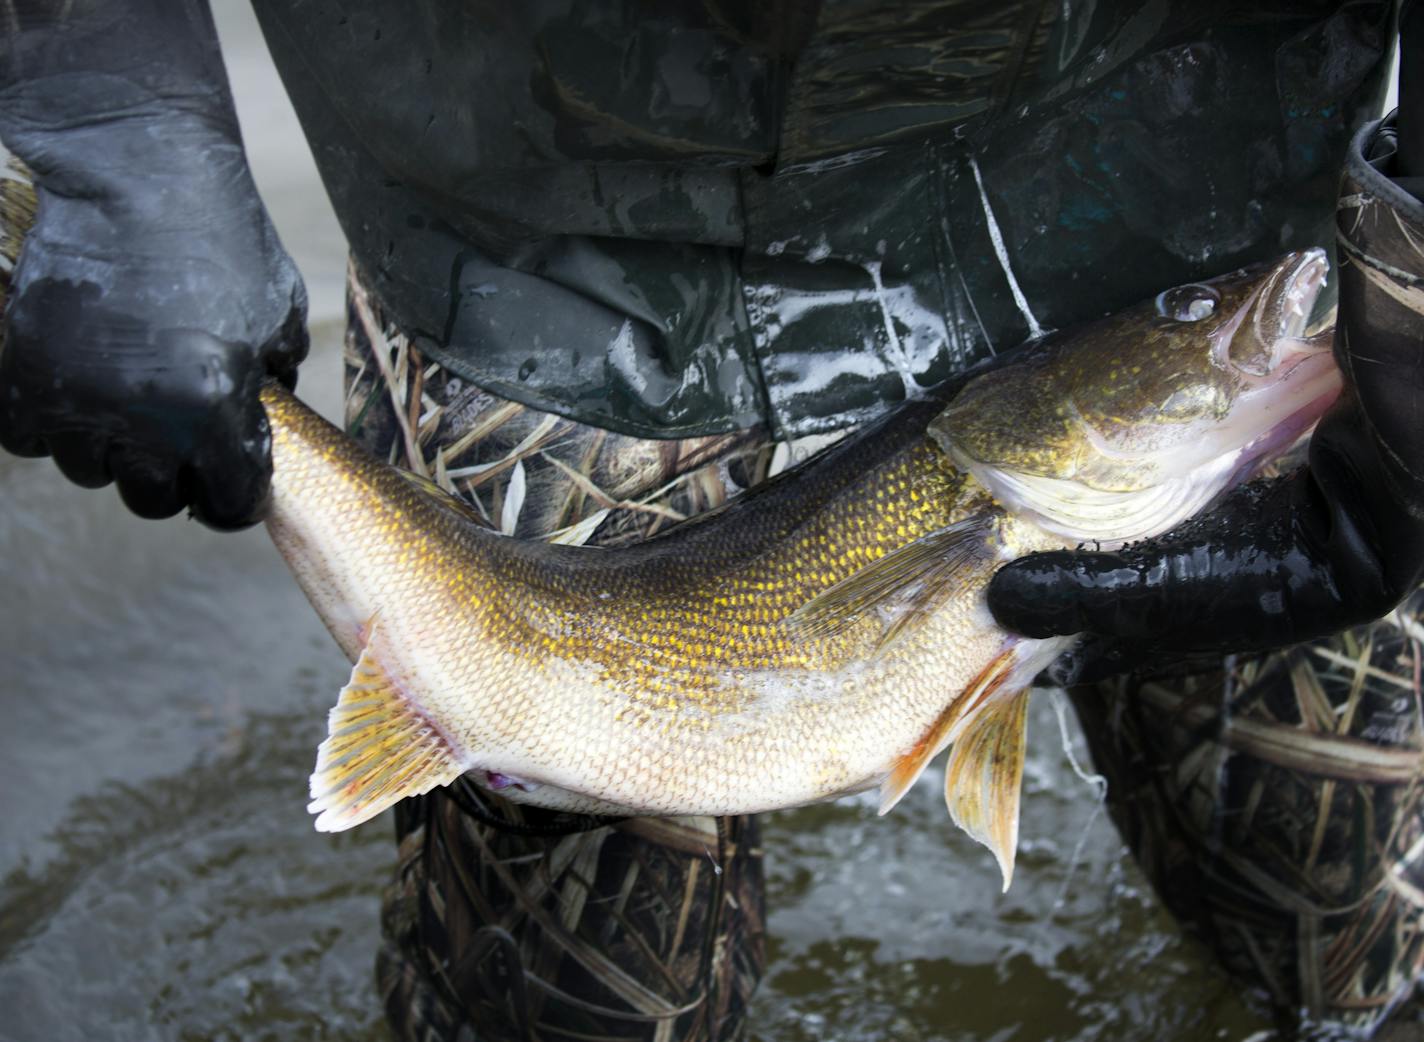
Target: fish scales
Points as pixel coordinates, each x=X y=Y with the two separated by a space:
x=822 y=634
x=619 y=665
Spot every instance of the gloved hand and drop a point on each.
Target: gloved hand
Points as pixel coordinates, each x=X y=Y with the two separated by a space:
x=151 y=297
x=1339 y=543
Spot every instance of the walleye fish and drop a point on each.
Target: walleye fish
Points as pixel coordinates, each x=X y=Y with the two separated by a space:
x=823 y=634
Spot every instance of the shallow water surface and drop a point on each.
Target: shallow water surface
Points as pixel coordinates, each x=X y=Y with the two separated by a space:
x=165 y=691
x=160 y=878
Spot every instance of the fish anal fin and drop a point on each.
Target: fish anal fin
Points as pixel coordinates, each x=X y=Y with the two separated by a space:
x=905 y=586
x=379 y=749
x=906 y=769
x=984 y=776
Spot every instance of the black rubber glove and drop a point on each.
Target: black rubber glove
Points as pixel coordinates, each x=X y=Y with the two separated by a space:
x=1339 y=543
x=152 y=296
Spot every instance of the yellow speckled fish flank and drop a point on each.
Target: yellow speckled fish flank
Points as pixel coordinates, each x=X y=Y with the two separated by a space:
x=823 y=634
x=606 y=672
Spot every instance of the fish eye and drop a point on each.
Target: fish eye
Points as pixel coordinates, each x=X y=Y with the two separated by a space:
x=1188 y=303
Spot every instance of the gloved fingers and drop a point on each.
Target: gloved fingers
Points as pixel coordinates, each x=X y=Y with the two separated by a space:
x=227 y=500
x=1088 y=661
x=233 y=494
x=287 y=348
x=150 y=493
x=19 y=432
x=1061 y=592
x=224 y=484
x=18 y=435
x=1095 y=659
x=82 y=457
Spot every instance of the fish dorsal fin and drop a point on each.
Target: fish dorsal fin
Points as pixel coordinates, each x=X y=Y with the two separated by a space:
x=443 y=497
x=984 y=775
x=905 y=586
x=906 y=769
x=379 y=749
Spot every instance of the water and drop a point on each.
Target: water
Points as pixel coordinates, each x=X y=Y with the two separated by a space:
x=166 y=688
x=160 y=878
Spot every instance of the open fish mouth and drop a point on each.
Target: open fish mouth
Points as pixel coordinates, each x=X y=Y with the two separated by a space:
x=1289 y=380
x=1254 y=376
x=1302 y=283
x=1268 y=332
x=1301 y=381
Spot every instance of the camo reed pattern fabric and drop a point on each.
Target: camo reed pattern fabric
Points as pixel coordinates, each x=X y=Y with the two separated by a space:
x=1275 y=803
x=510 y=922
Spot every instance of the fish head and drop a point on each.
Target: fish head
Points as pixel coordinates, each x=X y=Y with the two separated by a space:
x=1120 y=429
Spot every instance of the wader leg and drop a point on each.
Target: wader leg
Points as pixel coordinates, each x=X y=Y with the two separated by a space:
x=513 y=922
x=1275 y=803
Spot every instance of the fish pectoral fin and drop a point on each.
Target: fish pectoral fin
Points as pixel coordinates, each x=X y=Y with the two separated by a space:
x=379 y=749
x=905 y=586
x=984 y=776
x=906 y=769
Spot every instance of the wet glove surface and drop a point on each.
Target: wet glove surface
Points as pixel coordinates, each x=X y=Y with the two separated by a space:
x=152 y=297
x=1336 y=544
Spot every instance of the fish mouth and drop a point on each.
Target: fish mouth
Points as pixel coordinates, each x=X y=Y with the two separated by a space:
x=1270 y=326
x=1295 y=286
x=1299 y=381
x=1302 y=396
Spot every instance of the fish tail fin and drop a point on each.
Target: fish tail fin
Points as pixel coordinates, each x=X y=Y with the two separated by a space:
x=379 y=749
x=984 y=776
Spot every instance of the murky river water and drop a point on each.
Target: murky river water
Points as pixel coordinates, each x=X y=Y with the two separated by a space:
x=166 y=687
x=159 y=876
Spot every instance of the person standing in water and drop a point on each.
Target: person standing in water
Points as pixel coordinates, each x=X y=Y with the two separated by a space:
x=717 y=225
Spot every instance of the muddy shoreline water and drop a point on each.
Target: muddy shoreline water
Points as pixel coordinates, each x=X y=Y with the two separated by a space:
x=166 y=688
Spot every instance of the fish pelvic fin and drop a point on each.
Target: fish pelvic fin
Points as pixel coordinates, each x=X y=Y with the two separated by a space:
x=984 y=776
x=904 y=587
x=379 y=749
x=906 y=769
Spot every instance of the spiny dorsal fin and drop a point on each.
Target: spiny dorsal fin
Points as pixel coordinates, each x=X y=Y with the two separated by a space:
x=984 y=775
x=440 y=495
x=906 y=585
x=379 y=749
x=906 y=769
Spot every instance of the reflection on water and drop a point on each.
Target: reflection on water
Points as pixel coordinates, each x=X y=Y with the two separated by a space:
x=196 y=907
x=894 y=927
x=159 y=876
x=165 y=691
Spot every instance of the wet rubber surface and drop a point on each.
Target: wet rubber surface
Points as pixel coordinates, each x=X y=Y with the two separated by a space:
x=164 y=692
x=159 y=876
